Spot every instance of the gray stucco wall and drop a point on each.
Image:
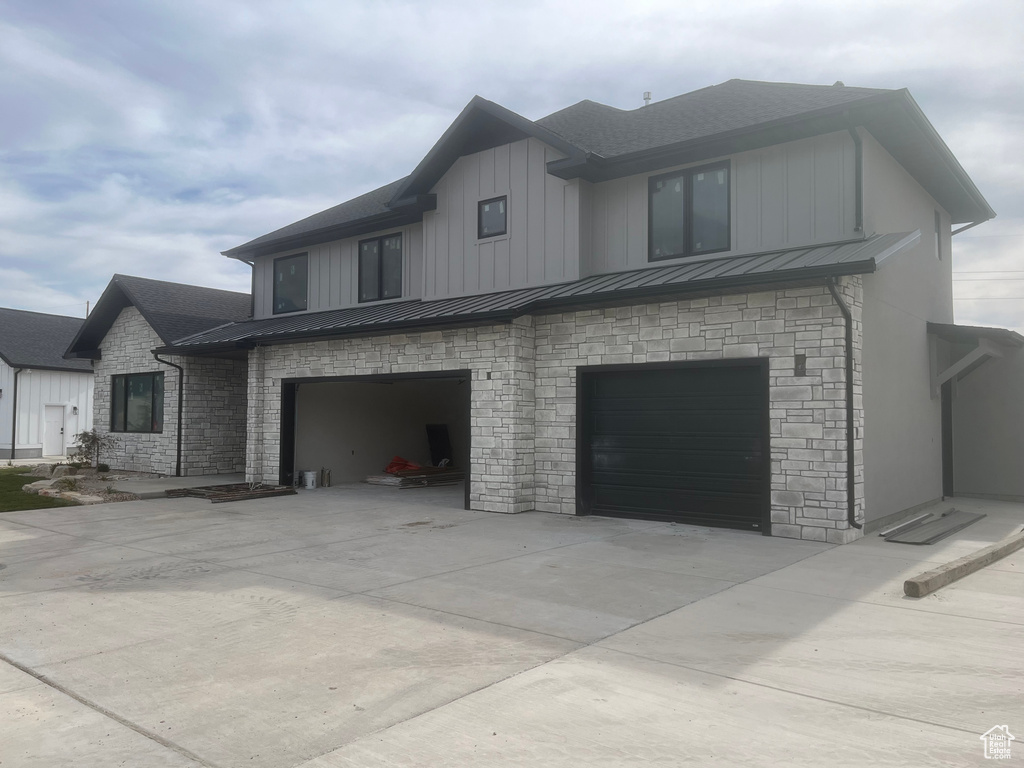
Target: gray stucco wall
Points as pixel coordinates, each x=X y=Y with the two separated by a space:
x=903 y=424
x=523 y=397
x=213 y=438
x=988 y=429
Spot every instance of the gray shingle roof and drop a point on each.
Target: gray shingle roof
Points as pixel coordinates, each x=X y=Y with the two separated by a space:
x=173 y=310
x=730 y=106
x=35 y=340
x=372 y=203
x=176 y=310
x=712 y=274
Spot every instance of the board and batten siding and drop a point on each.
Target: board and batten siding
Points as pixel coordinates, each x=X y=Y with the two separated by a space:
x=787 y=195
x=6 y=407
x=334 y=272
x=542 y=245
x=36 y=390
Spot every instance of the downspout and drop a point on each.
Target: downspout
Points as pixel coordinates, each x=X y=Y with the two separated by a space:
x=14 y=415
x=851 y=506
x=858 y=180
x=181 y=400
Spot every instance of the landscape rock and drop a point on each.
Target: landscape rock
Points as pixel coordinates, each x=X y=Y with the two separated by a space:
x=37 y=486
x=62 y=470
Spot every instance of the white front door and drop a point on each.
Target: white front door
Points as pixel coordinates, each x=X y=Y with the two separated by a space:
x=53 y=431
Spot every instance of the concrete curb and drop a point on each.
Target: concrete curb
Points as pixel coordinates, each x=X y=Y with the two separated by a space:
x=929 y=581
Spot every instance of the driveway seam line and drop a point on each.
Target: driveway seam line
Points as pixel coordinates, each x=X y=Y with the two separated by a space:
x=791 y=692
x=109 y=713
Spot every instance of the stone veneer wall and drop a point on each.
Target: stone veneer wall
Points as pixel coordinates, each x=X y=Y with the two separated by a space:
x=213 y=439
x=523 y=403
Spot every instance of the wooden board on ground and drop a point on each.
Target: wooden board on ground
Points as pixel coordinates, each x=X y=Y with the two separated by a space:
x=218 y=494
x=419 y=478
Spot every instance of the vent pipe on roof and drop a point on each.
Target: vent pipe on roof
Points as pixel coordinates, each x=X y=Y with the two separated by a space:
x=647 y=98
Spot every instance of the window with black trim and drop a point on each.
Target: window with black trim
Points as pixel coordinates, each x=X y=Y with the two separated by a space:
x=492 y=217
x=137 y=402
x=688 y=212
x=291 y=283
x=380 y=268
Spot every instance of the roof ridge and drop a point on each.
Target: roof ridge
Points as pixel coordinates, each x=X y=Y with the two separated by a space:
x=44 y=314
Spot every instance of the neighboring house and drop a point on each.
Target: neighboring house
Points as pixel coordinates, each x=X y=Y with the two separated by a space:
x=45 y=400
x=159 y=425
x=713 y=309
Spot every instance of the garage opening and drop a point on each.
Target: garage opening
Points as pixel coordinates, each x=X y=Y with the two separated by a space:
x=679 y=442
x=354 y=426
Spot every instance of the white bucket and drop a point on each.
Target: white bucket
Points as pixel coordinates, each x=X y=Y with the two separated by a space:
x=309 y=480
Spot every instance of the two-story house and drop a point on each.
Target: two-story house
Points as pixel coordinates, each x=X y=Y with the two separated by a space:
x=712 y=309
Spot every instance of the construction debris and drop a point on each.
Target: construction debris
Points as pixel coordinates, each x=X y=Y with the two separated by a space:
x=233 y=492
x=419 y=478
x=930 y=528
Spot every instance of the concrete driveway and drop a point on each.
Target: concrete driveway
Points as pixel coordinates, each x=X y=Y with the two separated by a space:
x=360 y=626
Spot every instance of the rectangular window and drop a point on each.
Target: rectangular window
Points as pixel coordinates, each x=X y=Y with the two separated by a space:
x=380 y=268
x=938 y=236
x=291 y=283
x=492 y=218
x=688 y=212
x=137 y=402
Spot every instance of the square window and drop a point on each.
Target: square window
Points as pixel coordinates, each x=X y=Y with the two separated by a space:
x=492 y=217
x=291 y=284
x=137 y=402
x=380 y=268
x=688 y=213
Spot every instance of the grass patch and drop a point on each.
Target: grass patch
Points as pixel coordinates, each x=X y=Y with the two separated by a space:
x=13 y=499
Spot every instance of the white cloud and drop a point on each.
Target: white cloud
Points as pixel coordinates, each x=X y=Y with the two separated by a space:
x=146 y=137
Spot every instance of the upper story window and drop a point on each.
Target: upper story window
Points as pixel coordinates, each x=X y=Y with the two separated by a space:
x=492 y=217
x=137 y=402
x=938 y=236
x=688 y=212
x=380 y=268
x=291 y=283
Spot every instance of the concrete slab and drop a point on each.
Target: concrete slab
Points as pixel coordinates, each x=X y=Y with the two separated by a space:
x=858 y=574
x=293 y=688
x=558 y=595
x=157 y=487
x=43 y=728
x=371 y=626
x=861 y=655
x=595 y=707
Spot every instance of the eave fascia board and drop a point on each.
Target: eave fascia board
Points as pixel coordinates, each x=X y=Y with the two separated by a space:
x=408 y=213
x=479 y=104
x=937 y=143
x=593 y=167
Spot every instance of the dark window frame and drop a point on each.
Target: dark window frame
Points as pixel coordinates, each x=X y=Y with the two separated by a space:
x=273 y=277
x=480 y=214
x=126 y=377
x=380 y=267
x=687 y=174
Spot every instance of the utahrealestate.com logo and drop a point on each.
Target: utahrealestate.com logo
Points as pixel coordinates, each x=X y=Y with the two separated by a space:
x=997 y=742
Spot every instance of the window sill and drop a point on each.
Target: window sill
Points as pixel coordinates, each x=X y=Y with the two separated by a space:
x=494 y=239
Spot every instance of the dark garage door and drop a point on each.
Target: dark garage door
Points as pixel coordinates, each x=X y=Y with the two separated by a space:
x=685 y=443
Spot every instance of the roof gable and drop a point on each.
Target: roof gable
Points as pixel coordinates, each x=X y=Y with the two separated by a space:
x=602 y=142
x=173 y=310
x=36 y=340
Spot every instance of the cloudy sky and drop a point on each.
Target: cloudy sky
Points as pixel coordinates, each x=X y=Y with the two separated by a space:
x=146 y=137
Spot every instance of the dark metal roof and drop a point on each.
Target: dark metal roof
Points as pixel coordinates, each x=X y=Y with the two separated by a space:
x=706 y=275
x=173 y=310
x=969 y=334
x=35 y=340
